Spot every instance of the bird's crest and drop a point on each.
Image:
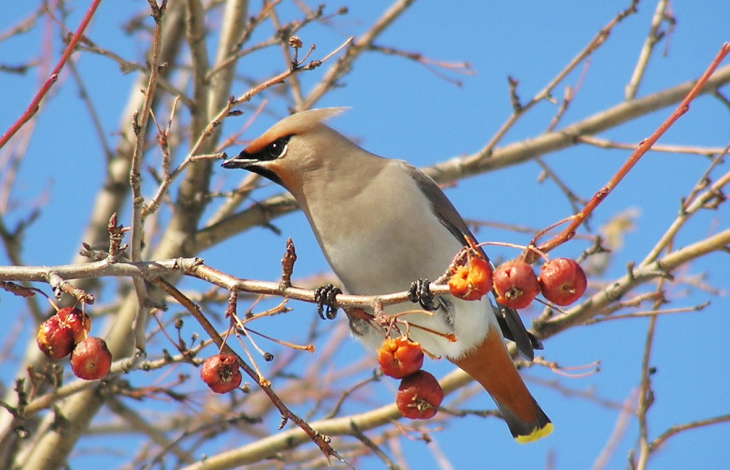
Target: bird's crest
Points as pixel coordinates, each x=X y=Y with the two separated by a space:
x=295 y=124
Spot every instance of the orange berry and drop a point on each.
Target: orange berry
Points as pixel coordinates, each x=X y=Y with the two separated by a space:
x=221 y=373
x=54 y=338
x=399 y=357
x=473 y=280
x=91 y=359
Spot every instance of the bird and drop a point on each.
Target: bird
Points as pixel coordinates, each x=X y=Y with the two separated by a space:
x=383 y=224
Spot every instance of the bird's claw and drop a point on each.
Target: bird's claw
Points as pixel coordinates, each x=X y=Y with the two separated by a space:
x=325 y=298
x=421 y=293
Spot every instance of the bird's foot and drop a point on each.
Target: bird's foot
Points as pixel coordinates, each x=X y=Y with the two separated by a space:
x=420 y=293
x=325 y=298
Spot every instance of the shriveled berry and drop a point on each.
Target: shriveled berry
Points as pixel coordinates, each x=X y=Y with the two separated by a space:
x=515 y=284
x=76 y=320
x=54 y=338
x=399 y=357
x=562 y=281
x=221 y=373
x=472 y=280
x=91 y=359
x=419 y=396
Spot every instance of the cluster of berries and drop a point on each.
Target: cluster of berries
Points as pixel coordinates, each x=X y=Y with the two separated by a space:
x=66 y=333
x=419 y=394
x=561 y=281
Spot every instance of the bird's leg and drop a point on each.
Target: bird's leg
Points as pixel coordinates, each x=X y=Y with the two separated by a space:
x=420 y=293
x=325 y=297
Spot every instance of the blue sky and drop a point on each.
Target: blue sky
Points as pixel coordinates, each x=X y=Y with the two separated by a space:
x=402 y=110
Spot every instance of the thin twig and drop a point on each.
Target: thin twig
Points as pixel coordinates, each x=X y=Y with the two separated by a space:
x=35 y=102
x=646 y=393
x=135 y=177
x=676 y=429
x=609 y=144
x=652 y=40
x=650 y=313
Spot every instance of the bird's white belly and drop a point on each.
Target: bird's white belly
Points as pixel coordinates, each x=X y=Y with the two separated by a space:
x=384 y=262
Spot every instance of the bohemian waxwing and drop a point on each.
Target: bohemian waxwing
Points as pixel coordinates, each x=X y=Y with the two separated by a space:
x=383 y=224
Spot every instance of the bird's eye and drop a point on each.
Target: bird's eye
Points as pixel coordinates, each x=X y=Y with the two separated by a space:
x=277 y=148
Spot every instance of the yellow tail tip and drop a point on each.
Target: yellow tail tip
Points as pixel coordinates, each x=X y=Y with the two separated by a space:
x=536 y=434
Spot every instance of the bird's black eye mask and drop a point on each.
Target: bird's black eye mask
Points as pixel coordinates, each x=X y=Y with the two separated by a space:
x=248 y=161
x=274 y=150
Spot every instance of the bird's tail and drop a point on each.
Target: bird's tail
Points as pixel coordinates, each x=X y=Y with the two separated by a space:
x=491 y=366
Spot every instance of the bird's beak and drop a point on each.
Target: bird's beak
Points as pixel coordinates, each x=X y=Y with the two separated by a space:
x=241 y=161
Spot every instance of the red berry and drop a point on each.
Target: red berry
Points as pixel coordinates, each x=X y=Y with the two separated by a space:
x=515 y=284
x=419 y=396
x=472 y=280
x=221 y=373
x=562 y=281
x=400 y=357
x=54 y=338
x=76 y=320
x=91 y=359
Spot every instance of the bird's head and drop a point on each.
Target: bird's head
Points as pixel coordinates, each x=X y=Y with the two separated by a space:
x=291 y=148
